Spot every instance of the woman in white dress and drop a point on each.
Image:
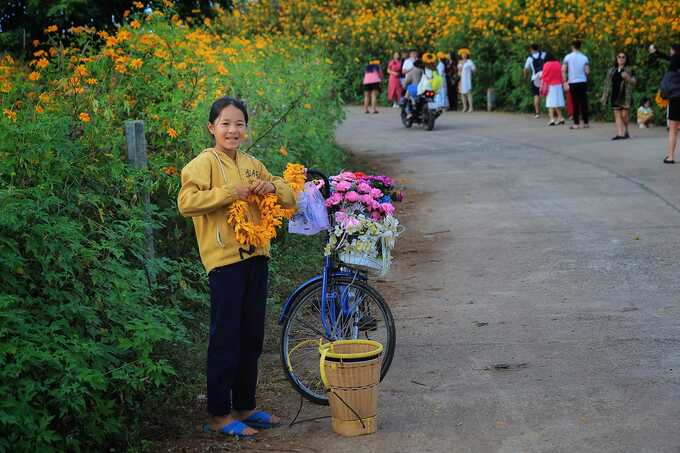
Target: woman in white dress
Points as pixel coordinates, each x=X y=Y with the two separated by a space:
x=442 y=94
x=465 y=68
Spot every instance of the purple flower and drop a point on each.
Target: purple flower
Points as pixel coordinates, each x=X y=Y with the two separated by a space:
x=376 y=193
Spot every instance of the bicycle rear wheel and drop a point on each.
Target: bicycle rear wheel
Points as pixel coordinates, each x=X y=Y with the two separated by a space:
x=368 y=317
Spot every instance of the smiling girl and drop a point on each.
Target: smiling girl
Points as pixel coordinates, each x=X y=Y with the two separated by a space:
x=213 y=180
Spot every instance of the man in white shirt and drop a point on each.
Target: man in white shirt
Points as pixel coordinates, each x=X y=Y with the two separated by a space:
x=532 y=72
x=575 y=71
x=408 y=63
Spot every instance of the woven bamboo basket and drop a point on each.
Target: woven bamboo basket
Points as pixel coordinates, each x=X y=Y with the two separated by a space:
x=350 y=370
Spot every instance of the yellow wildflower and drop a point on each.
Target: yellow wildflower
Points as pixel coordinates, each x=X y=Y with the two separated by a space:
x=42 y=63
x=136 y=63
x=39 y=109
x=33 y=76
x=84 y=117
x=12 y=115
x=6 y=87
x=170 y=171
x=171 y=132
x=81 y=70
x=51 y=29
x=135 y=24
x=44 y=98
x=91 y=81
x=138 y=5
x=123 y=35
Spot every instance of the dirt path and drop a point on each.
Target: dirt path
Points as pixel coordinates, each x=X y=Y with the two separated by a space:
x=535 y=292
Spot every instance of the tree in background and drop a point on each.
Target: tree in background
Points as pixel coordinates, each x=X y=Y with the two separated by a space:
x=21 y=21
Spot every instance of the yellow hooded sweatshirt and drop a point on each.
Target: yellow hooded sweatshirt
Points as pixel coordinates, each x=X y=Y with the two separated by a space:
x=208 y=188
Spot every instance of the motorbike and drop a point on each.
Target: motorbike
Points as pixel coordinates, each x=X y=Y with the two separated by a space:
x=423 y=108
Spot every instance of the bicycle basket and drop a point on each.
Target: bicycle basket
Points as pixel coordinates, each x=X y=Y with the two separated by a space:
x=379 y=264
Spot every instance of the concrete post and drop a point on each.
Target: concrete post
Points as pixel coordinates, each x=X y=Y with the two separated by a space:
x=136 y=147
x=490 y=99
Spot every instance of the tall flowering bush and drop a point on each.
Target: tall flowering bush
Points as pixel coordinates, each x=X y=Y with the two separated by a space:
x=89 y=329
x=363 y=210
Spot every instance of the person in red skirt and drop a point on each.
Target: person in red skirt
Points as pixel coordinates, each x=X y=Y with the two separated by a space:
x=394 y=83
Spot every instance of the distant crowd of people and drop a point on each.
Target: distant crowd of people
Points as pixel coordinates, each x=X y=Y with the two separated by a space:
x=405 y=71
x=566 y=85
x=561 y=83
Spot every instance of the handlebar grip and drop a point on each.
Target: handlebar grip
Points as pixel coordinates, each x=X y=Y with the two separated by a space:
x=316 y=174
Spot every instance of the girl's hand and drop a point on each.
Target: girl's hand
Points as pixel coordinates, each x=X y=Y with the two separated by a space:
x=260 y=187
x=242 y=192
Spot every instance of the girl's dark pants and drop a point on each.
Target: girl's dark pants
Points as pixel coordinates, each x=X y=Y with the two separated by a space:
x=238 y=296
x=579 y=96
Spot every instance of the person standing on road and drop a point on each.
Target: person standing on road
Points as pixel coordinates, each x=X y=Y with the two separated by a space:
x=533 y=68
x=551 y=84
x=575 y=70
x=394 y=82
x=670 y=89
x=452 y=80
x=465 y=68
x=237 y=277
x=372 y=79
x=618 y=91
x=442 y=95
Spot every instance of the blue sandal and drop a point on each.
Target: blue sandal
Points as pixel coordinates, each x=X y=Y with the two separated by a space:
x=260 y=420
x=234 y=429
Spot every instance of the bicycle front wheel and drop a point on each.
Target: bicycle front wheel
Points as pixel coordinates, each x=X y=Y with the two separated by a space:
x=366 y=315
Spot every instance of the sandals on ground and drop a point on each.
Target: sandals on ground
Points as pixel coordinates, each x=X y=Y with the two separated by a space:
x=234 y=429
x=261 y=420
x=666 y=160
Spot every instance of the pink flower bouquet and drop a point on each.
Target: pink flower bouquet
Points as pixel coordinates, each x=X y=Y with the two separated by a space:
x=365 y=227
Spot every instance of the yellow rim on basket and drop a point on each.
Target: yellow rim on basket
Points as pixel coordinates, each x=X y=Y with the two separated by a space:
x=354 y=355
x=324 y=349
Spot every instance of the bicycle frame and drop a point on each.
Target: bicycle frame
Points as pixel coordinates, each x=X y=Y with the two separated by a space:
x=330 y=270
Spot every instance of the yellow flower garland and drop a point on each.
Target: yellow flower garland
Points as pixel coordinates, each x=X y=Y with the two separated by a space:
x=661 y=102
x=271 y=212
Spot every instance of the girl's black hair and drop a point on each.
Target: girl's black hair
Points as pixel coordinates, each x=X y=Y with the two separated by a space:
x=223 y=102
x=372 y=68
x=645 y=100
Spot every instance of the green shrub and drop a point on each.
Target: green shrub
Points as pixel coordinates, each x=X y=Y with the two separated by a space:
x=87 y=323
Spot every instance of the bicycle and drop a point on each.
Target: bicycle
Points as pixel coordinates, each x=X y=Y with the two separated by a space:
x=337 y=304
